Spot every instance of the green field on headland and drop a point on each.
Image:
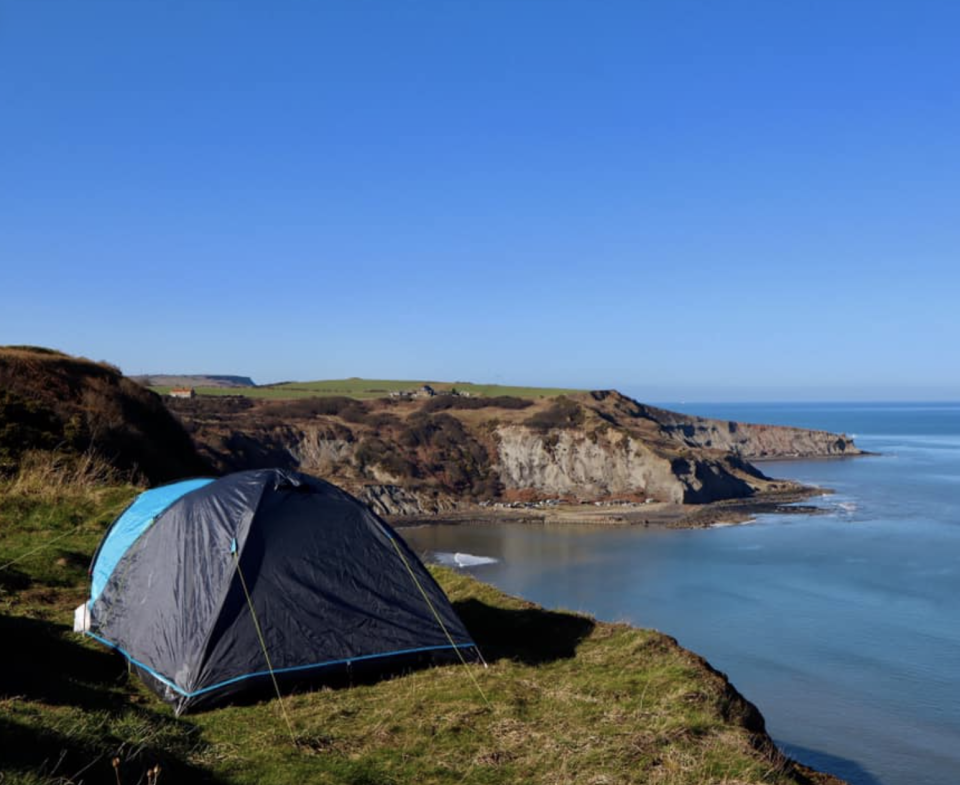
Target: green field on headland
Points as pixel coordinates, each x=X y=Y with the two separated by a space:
x=373 y=388
x=566 y=699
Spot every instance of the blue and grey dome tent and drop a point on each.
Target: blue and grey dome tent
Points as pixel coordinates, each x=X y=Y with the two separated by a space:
x=212 y=587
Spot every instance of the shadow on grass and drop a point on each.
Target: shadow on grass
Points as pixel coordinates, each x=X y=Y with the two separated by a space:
x=41 y=663
x=75 y=754
x=530 y=635
x=42 y=751
x=45 y=670
x=45 y=667
x=12 y=579
x=77 y=560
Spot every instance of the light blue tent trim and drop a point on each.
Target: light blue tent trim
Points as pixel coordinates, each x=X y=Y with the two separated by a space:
x=136 y=662
x=292 y=669
x=129 y=526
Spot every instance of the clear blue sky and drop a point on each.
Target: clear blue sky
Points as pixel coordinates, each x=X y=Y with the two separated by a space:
x=688 y=200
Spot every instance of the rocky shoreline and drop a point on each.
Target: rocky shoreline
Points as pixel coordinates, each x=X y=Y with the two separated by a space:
x=663 y=515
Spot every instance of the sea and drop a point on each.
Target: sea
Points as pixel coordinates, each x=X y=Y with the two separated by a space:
x=843 y=628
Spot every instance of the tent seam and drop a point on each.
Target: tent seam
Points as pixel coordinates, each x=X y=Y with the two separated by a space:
x=150 y=525
x=123 y=512
x=204 y=653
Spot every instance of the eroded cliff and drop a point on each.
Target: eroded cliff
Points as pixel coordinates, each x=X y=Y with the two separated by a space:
x=751 y=441
x=416 y=457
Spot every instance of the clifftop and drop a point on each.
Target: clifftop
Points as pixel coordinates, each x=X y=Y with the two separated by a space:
x=566 y=698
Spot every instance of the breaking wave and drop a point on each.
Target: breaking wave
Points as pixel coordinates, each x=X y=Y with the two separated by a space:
x=463 y=559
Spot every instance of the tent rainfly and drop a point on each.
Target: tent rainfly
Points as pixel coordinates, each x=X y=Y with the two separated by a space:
x=210 y=587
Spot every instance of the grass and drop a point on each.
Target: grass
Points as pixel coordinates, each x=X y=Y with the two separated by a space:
x=372 y=388
x=571 y=700
x=274 y=393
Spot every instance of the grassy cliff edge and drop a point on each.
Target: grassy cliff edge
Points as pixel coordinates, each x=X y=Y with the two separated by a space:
x=568 y=698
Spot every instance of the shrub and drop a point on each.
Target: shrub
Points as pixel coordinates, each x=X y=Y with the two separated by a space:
x=26 y=424
x=331 y=406
x=456 y=460
x=376 y=452
x=382 y=420
x=355 y=413
x=50 y=400
x=563 y=414
x=444 y=402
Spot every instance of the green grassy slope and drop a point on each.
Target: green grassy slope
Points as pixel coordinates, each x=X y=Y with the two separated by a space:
x=373 y=388
x=567 y=699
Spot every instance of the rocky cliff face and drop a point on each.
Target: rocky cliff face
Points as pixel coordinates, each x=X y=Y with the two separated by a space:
x=387 y=499
x=414 y=457
x=753 y=442
x=612 y=462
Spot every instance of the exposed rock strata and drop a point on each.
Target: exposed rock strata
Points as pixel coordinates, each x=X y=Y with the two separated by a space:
x=753 y=442
x=407 y=459
x=394 y=500
x=612 y=462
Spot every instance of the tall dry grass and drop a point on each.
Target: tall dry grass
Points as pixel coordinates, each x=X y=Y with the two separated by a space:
x=54 y=475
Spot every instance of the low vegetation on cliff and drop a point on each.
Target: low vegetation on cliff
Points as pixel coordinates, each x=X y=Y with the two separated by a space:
x=76 y=407
x=403 y=454
x=446 y=450
x=566 y=699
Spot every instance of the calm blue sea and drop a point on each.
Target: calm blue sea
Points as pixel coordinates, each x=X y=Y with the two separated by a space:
x=843 y=628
